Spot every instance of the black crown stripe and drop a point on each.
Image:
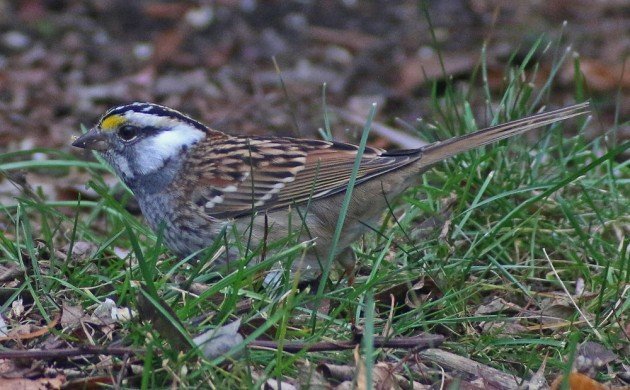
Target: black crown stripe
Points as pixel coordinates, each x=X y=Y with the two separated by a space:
x=154 y=109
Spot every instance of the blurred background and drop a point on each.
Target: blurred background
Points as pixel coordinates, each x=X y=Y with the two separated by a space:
x=64 y=62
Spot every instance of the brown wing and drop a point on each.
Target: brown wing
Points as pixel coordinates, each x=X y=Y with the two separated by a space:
x=242 y=175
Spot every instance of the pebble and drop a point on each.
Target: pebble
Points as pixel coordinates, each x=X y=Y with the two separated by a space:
x=201 y=17
x=16 y=40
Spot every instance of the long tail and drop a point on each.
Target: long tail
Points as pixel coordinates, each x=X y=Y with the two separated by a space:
x=439 y=151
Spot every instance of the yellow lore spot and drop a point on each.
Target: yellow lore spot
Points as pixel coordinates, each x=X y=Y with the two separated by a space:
x=112 y=122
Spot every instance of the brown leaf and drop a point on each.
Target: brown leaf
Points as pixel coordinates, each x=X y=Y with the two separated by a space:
x=578 y=381
x=398 y=291
x=275 y=384
x=337 y=372
x=537 y=381
x=421 y=292
x=354 y=40
x=600 y=76
x=415 y=71
x=167 y=44
x=25 y=332
x=150 y=312
x=502 y=328
x=71 y=315
x=81 y=251
x=89 y=383
x=347 y=385
x=495 y=305
x=311 y=377
x=383 y=376
x=361 y=378
x=10 y=368
x=8 y=271
x=440 y=222
x=558 y=309
x=490 y=377
x=592 y=357
x=162 y=10
x=33 y=384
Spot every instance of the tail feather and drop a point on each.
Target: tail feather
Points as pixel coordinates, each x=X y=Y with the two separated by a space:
x=439 y=151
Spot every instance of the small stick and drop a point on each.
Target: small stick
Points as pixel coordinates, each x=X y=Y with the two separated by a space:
x=69 y=352
x=418 y=342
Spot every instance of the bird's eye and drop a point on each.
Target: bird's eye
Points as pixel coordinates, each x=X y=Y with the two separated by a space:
x=128 y=132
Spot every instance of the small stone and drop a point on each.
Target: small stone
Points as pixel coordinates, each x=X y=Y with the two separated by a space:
x=16 y=40
x=201 y=17
x=143 y=51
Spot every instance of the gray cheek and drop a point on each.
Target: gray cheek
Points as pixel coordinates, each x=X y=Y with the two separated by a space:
x=121 y=164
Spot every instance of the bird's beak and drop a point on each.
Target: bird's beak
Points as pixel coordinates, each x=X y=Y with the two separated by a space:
x=94 y=139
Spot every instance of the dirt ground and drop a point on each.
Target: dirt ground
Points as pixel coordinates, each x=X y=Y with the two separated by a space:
x=62 y=63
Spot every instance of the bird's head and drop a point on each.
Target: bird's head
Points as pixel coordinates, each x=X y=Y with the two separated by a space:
x=140 y=139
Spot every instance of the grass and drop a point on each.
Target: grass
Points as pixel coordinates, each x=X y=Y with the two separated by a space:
x=516 y=208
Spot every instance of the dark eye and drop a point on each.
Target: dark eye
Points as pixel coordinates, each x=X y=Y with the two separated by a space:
x=128 y=132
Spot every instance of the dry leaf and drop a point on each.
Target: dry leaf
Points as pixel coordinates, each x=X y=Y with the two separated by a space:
x=592 y=357
x=102 y=314
x=600 y=76
x=558 y=309
x=17 y=308
x=578 y=381
x=361 y=379
x=421 y=292
x=506 y=328
x=337 y=372
x=311 y=377
x=415 y=71
x=275 y=384
x=71 y=315
x=219 y=341
x=355 y=40
x=4 y=328
x=9 y=271
x=537 y=381
x=81 y=251
x=33 y=384
x=489 y=376
x=383 y=376
x=495 y=305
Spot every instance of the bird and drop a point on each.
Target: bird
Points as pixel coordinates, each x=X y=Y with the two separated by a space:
x=196 y=185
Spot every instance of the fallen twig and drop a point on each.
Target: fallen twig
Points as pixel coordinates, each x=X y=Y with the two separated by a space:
x=38 y=333
x=69 y=352
x=491 y=377
x=418 y=342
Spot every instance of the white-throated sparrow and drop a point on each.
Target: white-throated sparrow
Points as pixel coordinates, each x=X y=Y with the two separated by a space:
x=192 y=181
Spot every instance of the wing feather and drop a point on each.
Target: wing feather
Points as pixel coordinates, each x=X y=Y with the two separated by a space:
x=271 y=173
